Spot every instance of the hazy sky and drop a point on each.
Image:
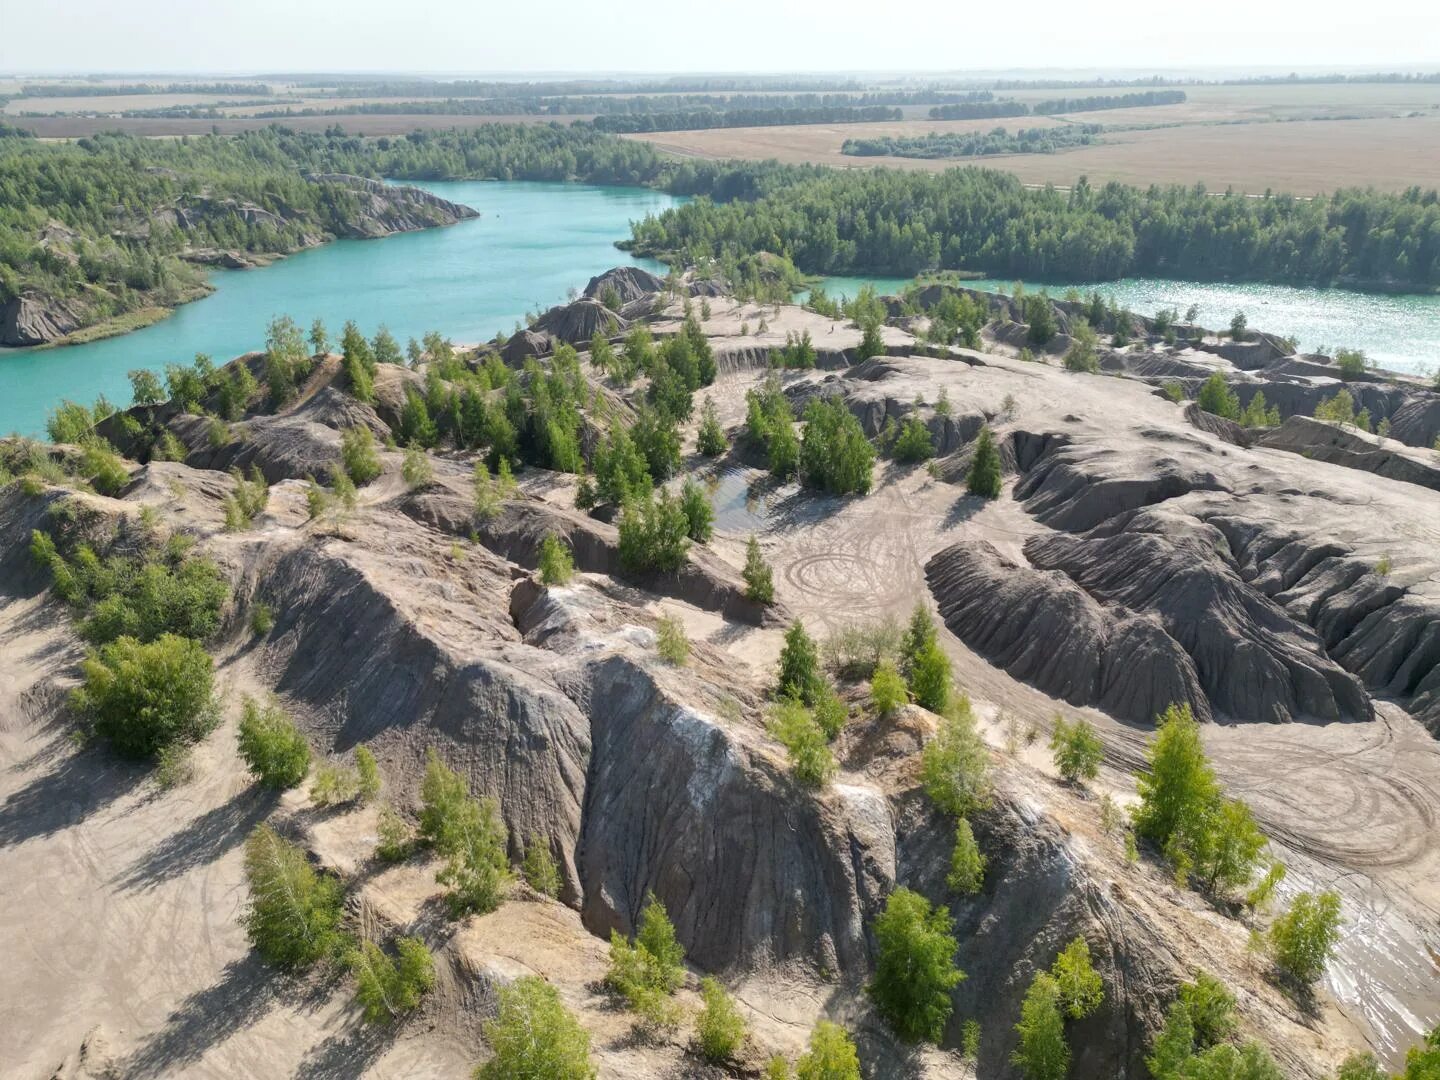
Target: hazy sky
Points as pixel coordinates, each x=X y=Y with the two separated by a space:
x=731 y=35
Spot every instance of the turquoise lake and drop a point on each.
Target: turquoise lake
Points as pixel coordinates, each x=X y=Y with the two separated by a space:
x=533 y=243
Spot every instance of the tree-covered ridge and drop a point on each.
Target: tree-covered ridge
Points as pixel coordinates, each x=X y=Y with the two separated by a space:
x=881 y=221
x=96 y=219
x=757 y=117
x=955 y=144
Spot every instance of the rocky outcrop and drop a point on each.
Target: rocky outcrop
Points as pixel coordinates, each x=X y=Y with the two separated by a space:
x=630 y=283
x=1253 y=661
x=525 y=344
x=382 y=209
x=34 y=319
x=1043 y=629
x=1324 y=440
x=580 y=321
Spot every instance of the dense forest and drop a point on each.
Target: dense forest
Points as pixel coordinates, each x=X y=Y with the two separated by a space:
x=884 y=221
x=247 y=89
x=1109 y=101
x=84 y=220
x=979 y=110
x=954 y=144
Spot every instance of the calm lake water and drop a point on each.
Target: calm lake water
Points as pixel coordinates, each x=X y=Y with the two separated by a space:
x=1398 y=332
x=531 y=243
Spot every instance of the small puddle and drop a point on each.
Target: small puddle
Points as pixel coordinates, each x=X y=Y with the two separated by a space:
x=741 y=498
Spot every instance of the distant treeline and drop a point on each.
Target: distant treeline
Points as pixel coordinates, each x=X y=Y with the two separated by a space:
x=883 y=221
x=1112 y=101
x=1007 y=107
x=951 y=144
x=129 y=89
x=420 y=88
x=687 y=121
x=1249 y=80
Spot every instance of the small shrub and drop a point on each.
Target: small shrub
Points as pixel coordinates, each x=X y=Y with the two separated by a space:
x=262 y=620
x=710 y=438
x=1384 y=566
x=914 y=443
x=1211 y=1008
x=357 y=451
x=396 y=839
x=367 y=771
x=1080 y=986
x=800 y=676
x=811 y=761
x=699 y=515
x=831 y=713
x=294 y=911
x=557 y=565
x=1082 y=356
x=1216 y=397
x=105 y=468
x=1352 y=363
x=759 y=579
x=856 y=650
x=541 y=872
x=534 y=1035
x=247 y=501
x=334 y=784
x=470 y=836
x=1174 y=391
x=1303 y=940
x=416 y=469
x=654 y=534
x=1043 y=1053
x=831 y=1055
x=275 y=751
x=650 y=968
x=970 y=1039
x=914 y=966
x=719 y=1028
x=967 y=864
x=385 y=988
x=930 y=677
x=955 y=765
x=887 y=688
x=1077 y=750
x=142 y=697
x=671 y=642
x=983 y=478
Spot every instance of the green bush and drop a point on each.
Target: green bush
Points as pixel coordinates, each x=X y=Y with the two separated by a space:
x=970 y=1039
x=367 y=770
x=1040 y=317
x=1077 y=750
x=1043 y=1053
x=468 y=834
x=1081 y=988
x=720 y=1029
x=1303 y=940
x=800 y=675
x=396 y=840
x=811 y=761
x=671 y=642
x=293 y=917
x=831 y=713
x=759 y=579
x=334 y=783
x=698 y=513
x=357 y=451
x=262 y=619
x=1179 y=786
x=770 y=423
x=930 y=677
x=967 y=864
x=887 y=688
x=1186 y=1049
x=1211 y=1008
x=983 y=478
x=105 y=469
x=1083 y=355
x=248 y=499
x=539 y=868
x=416 y=469
x=914 y=443
x=275 y=751
x=831 y=1056
x=871 y=341
x=385 y=989
x=654 y=534
x=955 y=765
x=648 y=971
x=143 y=697
x=835 y=456
x=557 y=565
x=710 y=438
x=1216 y=397
x=534 y=1035
x=914 y=966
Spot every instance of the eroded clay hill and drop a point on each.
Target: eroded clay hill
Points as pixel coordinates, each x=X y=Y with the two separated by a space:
x=1138 y=557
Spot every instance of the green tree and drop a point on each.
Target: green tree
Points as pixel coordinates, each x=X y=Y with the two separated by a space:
x=387 y=988
x=385 y=347
x=831 y=1055
x=1227 y=848
x=357 y=451
x=719 y=1028
x=710 y=439
x=835 y=456
x=793 y=725
x=1080 y=986
x=871 y=343
x=759 y=579
x=654 y=533
x=671 y=642
x=1210 y=1007
x=983 y=478
x=367 y=771
x=1303 y=940
x=557 y=566
x=319 y=338
x=800 y=675
x=1043 y=1053
x=649 y=971
x=913 y=443
x=887 y=688
x=967 y=864
x=468 y=834
x=1238 y=325
x=144 y=698
x=146 y=388
x=930 y=677
x=1216 y=397
x=417 y=471
x=1040 y=316
x=1179 y=787
x=1077 y=750
x=914 y=966
x=272 y=746
x=534 y=1035
x=358 y=363
x=293 y=916
x=698 y=512
x=1352 y=363
x=955 y=765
